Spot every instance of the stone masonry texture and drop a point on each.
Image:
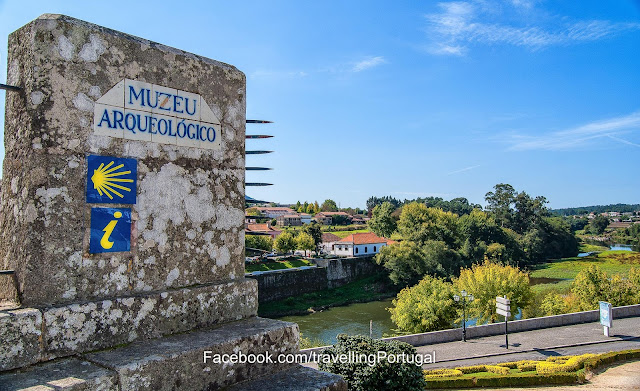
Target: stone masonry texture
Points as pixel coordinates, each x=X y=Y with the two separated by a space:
x=187 y=224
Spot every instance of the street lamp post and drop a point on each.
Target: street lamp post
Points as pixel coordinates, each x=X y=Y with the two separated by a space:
x=465 y=298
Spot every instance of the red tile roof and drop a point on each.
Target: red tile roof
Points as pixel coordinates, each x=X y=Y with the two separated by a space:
x=260 y=228
x=364 y=238
x=328 y=238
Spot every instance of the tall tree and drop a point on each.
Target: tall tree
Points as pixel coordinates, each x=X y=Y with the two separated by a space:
x=329 y=206
x=285 y=242
x=382 y=222
x=305 y=242
x=419 y=223
x=489 y=280
x=315 y=231
x=500 y=201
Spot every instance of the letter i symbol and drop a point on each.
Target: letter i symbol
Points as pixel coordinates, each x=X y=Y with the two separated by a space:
x=105 y=242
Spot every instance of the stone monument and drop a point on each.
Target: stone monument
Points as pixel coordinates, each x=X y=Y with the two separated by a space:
x=123 y=219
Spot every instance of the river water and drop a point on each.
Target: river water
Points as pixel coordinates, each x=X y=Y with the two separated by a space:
x=354 y=319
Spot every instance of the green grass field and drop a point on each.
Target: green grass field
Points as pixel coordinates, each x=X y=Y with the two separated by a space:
x=586 y=248
x=344 y=234
x=276 y=265
x=566 y=269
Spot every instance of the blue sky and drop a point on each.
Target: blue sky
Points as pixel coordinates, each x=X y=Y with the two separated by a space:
x=408 y=98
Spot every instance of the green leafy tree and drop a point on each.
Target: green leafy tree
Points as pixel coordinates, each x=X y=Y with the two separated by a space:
x=310 y=210
x=419 y=223
x=427 y=306
x=489 y=280
x=382 y=222
x=408 y=261
x=598 y=224
x=553 y=304
x=315 y=231
x=329 y=206
x=316 y=207
x=305 y=242
x=261 y=242
x=285 y=242
x=593 y=284
x=500 y=202
x=253 y=212
x=382 y=375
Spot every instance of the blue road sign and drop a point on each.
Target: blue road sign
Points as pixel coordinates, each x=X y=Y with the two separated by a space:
x=110 y=230
x=111 y=180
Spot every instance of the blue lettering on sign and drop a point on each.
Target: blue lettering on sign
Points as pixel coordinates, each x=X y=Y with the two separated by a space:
x=110 y=230
x=144 y=97
x=111 y=180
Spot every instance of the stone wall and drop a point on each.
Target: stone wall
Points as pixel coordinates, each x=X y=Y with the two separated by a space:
x=330 y=273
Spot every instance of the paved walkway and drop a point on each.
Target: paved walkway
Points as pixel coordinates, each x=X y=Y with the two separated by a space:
x=536 y=344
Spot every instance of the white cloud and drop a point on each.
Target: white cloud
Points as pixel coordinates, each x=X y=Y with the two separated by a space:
x=367 y=63
x=460 y=23
x=578 y=137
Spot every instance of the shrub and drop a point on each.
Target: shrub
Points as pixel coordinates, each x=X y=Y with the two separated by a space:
x=572 y=364
x=383 y=375
x=472 y=369
x=444 y=372
x=497 y=369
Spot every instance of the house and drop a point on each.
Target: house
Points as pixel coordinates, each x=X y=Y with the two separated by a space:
x=328 y=241
x=305 y=218
x=261 y=229
x=289 y=220
x=322 y=219
x=328 y=218
x=275 y=211
x=360 y=244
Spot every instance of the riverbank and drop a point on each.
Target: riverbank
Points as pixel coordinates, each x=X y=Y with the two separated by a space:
x=372 y=288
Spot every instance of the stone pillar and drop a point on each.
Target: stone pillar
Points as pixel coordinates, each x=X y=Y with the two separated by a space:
x=179 y=118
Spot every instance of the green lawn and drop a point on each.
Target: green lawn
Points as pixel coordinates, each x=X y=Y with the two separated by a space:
x=344 y=234
x=612 y=262
x=586 y=248
x=276 y=265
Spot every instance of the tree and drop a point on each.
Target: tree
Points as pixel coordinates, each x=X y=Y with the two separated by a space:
x=489 y=280
x=253 y=212
x=329 y=206
x=598 y=224
x=499 y=203
x=593 y=284
x=427 y=306
x=316 y=207
x=381 y=375
x=382 y=223
x=408 y=261
x=261 y=242
x=305 y=242
x=315 y=231
x=285 y=242
x=419 y=223
x=310 y=210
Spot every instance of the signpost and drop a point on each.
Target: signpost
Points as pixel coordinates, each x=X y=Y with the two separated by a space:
x=606 y=316
x=503 y=307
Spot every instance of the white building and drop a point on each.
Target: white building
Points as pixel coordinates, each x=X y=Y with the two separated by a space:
x=273 y=212
x=360 y=245
x=305 y=218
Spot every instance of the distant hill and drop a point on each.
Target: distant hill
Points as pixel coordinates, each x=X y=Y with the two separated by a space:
x=596 y=209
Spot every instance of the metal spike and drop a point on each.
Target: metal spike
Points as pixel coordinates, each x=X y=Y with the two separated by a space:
x=252 y=136
x=258 y=121
x=257 y=152
x=257 y=168
x=258 y=184
x=9 y=88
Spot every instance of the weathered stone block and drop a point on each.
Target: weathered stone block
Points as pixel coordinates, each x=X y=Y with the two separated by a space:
x=176 y=362
x=102 y=324
x=68 y=374
x=187 y=226
x=20 y=335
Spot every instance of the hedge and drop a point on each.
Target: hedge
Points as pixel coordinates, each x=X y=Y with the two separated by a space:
x=569 y=369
